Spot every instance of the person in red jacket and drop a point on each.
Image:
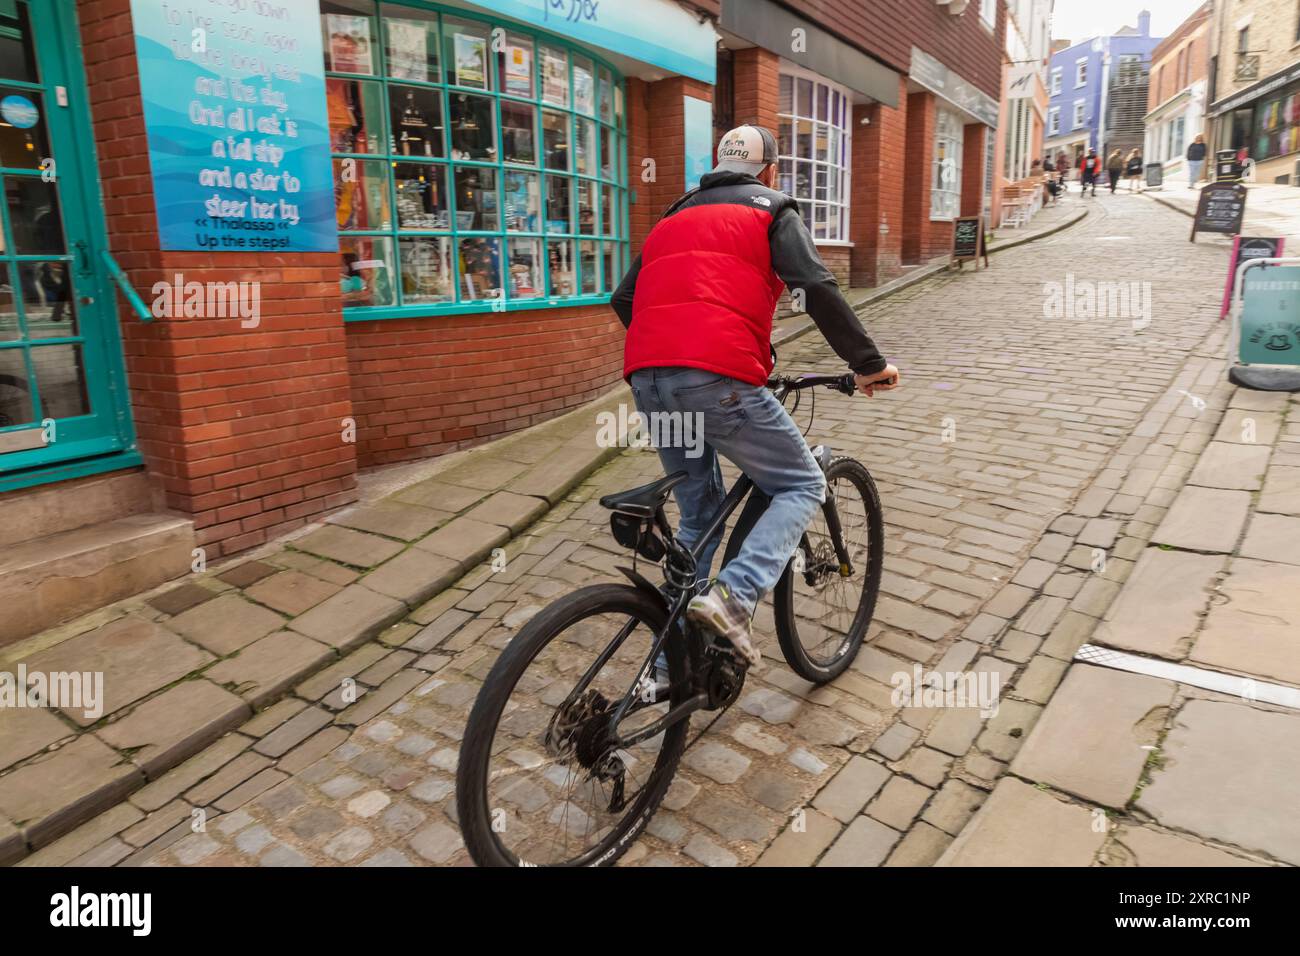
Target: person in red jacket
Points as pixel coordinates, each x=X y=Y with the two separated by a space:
x=1090 y=171
x=698 y=305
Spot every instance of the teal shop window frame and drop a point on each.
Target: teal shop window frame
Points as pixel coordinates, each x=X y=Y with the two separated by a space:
x=620 y=240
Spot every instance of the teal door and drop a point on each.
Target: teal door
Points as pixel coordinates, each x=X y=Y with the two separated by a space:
x=62 y=395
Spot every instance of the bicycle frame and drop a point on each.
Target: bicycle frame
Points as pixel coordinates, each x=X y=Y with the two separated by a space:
x=679 y=594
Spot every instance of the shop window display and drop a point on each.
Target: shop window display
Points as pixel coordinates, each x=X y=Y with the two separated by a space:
x=469 y=158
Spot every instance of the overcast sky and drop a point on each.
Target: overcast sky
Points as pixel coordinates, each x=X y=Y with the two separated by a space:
x=1076 y=20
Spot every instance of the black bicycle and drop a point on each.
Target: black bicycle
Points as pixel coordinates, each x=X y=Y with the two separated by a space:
x=572 y=744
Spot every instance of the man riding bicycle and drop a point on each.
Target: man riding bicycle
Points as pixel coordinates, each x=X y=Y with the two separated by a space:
x=698 y=305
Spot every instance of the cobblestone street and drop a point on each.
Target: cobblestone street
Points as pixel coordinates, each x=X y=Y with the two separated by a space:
x=1020 y=447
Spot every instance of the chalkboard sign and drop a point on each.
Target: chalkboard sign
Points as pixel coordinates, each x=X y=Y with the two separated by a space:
x=1226 y=167
x=1155 y=174
x=968 y=240
x=1221 y=209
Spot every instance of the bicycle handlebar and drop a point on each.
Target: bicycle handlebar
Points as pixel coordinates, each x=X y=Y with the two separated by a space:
x=845 y=384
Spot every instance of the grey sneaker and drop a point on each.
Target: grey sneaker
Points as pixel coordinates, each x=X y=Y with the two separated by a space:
x=718 y=613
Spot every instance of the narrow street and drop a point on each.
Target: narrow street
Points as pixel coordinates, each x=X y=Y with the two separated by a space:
x=1021 y=447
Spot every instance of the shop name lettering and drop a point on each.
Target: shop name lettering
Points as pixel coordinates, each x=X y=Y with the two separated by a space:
x=579 y=11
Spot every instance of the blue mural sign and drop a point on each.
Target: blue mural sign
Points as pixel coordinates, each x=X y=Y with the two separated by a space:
x=658 y=32
x=1270 y=316
x=234 y=109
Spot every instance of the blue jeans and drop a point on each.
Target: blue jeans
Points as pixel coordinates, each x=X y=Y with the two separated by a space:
x=1194 y=167
x=747 y=425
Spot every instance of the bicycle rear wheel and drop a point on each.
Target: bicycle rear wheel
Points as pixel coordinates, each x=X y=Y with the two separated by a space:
x=821 y=613
x=539 y=783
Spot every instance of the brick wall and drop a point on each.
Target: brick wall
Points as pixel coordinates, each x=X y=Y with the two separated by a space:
x=427 y=386
x=876 y=193
x=837 y=260
x=887 y=30
x=1165 y=79
x=240 y=428
x=758 y=87
x=917 y=157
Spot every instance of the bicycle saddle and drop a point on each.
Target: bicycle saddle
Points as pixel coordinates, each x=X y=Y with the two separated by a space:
x=644 y=501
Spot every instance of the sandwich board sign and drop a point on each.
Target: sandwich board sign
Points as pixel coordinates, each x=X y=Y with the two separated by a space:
x=1244 y=248
x=1221 y=209
x=1267 y=326
x=968 y=241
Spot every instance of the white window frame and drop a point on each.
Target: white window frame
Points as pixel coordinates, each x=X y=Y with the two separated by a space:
x=989 y=13
x=1080 y=72
x=1078 y=118
x=1056 y=80
x=1053 y=120
x=827 y=219
x=945 y=167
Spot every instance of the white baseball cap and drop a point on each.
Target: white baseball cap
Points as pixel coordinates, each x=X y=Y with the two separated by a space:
x=746 y=149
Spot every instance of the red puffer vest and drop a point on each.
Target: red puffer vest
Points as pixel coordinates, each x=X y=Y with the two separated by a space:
x=706 y=292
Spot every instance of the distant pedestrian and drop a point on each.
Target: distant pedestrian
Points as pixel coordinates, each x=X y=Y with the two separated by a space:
x=1062 y=165
x=1133 y=170
x=1114 y=168
x=1089 y=170
x=1195 y=160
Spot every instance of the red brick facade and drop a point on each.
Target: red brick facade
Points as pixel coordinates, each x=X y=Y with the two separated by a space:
x=422 y=388
x=876 y=206
x=250 y=449
x=888 y=29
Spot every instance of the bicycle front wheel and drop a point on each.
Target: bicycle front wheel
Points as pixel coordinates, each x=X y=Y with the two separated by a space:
x=822 y=609
x=540 y=783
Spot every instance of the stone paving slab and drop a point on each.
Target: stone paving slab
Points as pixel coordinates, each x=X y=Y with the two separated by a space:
x=1281 y=491
x=1232 y=775
x=1161 y=606
x=292 y=592
x=1020 y=825
x=1232 y=466
x=515 y=511
x=1256 y=627
x=136 y=657
x=438 y=495
x=1095 y=737
x=356 y=548
x=349 y=618
x=392 y=519
x=176 y=724
x=1273 y=538
x=1147 y=846
x=56 y=791
x=465 y=540
x=226 y=624
x=414 y=576
x=28 y=730
x=1204 y=519
x=265 y=669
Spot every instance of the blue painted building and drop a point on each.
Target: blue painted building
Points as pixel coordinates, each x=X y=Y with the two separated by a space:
x=1097 y=91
